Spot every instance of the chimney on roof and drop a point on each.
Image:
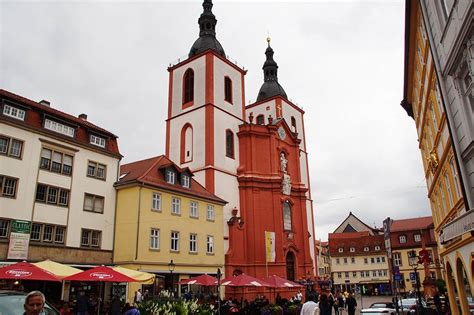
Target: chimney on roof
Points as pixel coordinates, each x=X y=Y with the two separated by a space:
x=45 y=103
x=83 y=116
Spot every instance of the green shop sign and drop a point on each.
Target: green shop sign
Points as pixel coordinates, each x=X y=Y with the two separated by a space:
x=19 y=226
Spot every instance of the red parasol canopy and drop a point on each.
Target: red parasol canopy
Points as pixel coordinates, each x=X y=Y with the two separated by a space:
x=100 y=274
x=26 y=271
x=279 y=282
x=204 y=280
x=244 y=280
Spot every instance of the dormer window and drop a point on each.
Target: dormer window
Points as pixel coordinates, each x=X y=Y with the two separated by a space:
x=170 y=177
x=58 y=127
x=417 y=237
x=377 y=247
x=352 y=249
x=13 y=112
x=98 y=141
x=402 y=239
x=185 y=181
x=366 y=248
x=340 y=249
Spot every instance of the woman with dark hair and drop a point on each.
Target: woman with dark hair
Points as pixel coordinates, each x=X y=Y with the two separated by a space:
x=324 y=306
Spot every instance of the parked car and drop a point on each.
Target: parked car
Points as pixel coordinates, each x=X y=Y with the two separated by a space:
x=382 y=304
x=409 y=306
x=378 y=311
x=11 y=303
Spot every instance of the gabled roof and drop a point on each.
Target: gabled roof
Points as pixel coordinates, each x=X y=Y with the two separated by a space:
x=150 y=172
x=352 y=221
x=411 y=224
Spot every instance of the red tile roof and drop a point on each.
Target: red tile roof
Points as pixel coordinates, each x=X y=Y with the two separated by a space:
x=150 y=172
x=34 y=119
x=411 y=224
x=356 y=240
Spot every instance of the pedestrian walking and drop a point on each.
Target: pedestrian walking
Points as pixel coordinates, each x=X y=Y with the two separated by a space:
x=351 y=304
x=310 y=306
x=325 y=308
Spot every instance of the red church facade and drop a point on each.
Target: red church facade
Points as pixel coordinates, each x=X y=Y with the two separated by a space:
x=254 y=157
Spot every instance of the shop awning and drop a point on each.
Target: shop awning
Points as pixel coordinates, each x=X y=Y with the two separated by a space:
x=26 y=271
x=140 y=276
x=59 y=270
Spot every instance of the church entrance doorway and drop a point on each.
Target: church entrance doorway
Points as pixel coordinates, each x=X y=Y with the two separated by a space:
x=290 y=266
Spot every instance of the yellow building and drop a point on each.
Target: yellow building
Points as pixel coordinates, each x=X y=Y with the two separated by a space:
x=165 y=216
x=423 y=101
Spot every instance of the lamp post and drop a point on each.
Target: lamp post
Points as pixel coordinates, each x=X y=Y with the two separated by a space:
x=171 y=267
x=413 y=261
x=219 y=275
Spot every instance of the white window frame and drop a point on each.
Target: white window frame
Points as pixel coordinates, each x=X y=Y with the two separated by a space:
x=366 y=249
x=193 y=209
x=14 y=112
x=352 y=250
x=210 y=215
x=209 y=244
x=417 y=237
x=156 y=201
x=59 y=128
x=397 y=259
x=402 y=239
x=154 y=239
x=448 y=189
x=338 y=261
x=185 y=181
x=377 y=247
x=340 y=250
x=193 y=243
x=174 y=241
x=170 y=177
x=97 y=141
x=175 y=205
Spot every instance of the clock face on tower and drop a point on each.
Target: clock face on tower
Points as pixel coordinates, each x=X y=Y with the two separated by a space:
x=282 y=133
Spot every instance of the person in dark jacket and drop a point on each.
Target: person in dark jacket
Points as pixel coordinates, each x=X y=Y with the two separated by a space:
x=82 y=304
x=115 y=306
x=351 y=304
x=324 y=306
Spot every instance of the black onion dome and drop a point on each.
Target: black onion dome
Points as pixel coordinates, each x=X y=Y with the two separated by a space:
x=207 y=32
x=270 y=86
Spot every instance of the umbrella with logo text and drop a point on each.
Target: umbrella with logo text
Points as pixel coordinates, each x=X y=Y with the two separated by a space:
x=26 y=271
x=243 y=280
x=279 y=282
x=203 y=280
x=101 y=274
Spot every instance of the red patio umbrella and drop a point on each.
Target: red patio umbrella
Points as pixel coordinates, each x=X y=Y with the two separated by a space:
x=26 y=271
x=244 y=280
x=203 y=280
x=279 y=282
x=100 y=274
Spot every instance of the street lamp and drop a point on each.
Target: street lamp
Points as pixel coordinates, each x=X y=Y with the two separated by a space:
x=171 y=267
x=219 y=275
x=413 y=260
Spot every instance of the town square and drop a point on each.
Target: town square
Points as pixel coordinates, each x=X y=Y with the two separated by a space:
x=218 y=157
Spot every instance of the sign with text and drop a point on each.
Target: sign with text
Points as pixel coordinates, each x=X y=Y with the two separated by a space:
x=386 y=235
x=19 y=240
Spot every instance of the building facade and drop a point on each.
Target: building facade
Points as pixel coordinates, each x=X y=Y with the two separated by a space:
x=438 y=95
x=415 y=234
x=358 y=258
x=323 y=261
x=163 y=216
x=56 y=174
x=211 y=131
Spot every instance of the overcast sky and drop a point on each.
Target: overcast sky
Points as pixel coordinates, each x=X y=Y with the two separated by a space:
x=342 y=61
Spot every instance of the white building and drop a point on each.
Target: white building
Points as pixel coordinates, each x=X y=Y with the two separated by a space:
x=56 y=171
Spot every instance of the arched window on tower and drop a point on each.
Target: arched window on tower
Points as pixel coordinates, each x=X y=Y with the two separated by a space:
x=229 y=143
x=260 y=120
x=186 y=143
x=286 y=216
x=228 y=89
x=293 y=124
x=188 y=87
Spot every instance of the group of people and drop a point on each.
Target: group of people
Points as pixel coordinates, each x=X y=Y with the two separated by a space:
x=329 y=302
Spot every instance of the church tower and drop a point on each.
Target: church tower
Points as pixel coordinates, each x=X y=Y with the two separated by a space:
x=206 y=104
x=272 y=102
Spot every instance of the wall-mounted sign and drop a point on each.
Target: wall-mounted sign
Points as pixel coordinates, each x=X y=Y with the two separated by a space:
x=19 y=240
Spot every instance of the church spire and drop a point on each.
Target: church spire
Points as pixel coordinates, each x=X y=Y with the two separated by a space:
x=270 y=86
x=207 y=32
